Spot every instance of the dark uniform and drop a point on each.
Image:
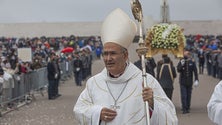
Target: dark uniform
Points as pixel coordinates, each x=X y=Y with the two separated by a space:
x=150 y=65
x=57 y=69
x=77 y=69
x=53 y=78
x=201 y=58
x=166 y=73
x=186 y=67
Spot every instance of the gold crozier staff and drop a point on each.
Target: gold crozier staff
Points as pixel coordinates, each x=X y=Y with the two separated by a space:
x=142 y=50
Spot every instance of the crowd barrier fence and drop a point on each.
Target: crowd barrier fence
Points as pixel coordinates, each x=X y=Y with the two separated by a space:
x=21 y=89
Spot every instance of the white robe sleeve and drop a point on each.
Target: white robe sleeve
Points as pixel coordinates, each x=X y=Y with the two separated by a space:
x=164 y=112
x=85 y=112
x=214 y=106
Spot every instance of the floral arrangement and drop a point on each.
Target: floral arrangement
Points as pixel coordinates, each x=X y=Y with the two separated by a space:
x=165 y=36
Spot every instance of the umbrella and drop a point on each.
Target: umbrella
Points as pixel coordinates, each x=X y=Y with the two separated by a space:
x=47 y=45
x=67 y=50
x=87 y=46
x=198 y=36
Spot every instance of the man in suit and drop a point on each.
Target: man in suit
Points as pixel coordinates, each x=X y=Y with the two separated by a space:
x=52 y=76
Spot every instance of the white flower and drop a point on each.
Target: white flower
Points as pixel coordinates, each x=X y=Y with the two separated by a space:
x=166 y=36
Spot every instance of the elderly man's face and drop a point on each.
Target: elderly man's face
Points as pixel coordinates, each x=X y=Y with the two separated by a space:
x=114 y=58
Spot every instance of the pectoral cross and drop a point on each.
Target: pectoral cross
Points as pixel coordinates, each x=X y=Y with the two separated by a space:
x=115 y=106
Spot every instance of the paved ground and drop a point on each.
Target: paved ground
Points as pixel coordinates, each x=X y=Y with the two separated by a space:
x=59 y=111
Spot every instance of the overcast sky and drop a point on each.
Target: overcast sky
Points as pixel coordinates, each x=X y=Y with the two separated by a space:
x=20 y=11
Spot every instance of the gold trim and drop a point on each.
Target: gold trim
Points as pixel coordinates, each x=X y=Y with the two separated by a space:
x=169 y=67
x=105 y=90
x=128 y=95
x=134 y=114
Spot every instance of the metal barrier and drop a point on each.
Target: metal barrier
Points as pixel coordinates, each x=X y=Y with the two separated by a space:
x=20 y=89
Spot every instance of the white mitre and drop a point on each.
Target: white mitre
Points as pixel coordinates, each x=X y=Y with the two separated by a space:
x=118 y=28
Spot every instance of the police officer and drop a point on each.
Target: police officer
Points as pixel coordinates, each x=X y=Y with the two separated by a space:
x=187 y=68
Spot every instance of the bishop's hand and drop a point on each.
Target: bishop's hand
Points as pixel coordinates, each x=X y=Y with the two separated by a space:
x=148 y=96
x=107 y=114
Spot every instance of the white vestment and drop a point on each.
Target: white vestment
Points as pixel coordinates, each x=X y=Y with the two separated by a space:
x=214 y=106
x=130 y=104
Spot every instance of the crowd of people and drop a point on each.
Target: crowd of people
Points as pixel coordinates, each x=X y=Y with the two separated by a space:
x=84 y=48
x=42 y=47
x=200 y=52
x=205 y=52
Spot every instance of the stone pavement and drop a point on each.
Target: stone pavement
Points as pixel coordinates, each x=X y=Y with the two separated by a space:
x=60 y=111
